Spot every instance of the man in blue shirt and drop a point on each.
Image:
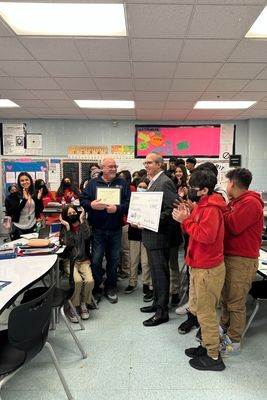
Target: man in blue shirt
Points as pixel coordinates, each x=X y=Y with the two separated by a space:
x=106 y=221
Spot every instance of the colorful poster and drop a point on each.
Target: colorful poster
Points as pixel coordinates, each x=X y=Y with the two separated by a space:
x=122 y=149
x=183 y=141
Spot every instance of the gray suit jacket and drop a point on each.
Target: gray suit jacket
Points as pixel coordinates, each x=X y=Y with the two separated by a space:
x=161 y=239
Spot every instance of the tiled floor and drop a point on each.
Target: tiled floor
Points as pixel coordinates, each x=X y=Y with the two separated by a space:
x=128 y=361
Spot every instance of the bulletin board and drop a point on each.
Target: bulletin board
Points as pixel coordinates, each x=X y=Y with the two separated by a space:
x=38 y=169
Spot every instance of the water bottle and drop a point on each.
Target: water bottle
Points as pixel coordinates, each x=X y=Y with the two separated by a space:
x=63 y=202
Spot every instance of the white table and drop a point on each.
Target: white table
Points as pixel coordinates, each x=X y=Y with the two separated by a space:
x=22 y=272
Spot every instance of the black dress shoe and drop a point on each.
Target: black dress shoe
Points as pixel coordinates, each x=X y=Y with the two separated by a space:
x=155 y=320
x=148 y=309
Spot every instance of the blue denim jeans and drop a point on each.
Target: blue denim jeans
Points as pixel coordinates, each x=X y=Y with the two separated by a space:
x=106 y=243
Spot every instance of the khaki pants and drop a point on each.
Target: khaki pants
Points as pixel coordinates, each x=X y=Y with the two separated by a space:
x=174 y=270
x=84 y=282
x=125 y=254
x=204 y=295
x=138 y=253
x=240 y=272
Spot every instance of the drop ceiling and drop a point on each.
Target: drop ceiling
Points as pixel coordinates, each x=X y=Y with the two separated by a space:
x=176 y=52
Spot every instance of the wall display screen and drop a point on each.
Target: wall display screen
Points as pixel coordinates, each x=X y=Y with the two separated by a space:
x=183 y=141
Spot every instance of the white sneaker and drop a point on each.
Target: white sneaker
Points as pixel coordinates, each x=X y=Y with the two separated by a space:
x=84 y=312
x=72 y=317
x=229 y=348
x=182 y=310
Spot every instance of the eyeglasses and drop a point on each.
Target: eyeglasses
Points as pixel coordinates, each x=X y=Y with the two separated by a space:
x=148 y=162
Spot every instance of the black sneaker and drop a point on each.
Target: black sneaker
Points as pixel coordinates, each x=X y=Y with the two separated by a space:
x=175 y=299
x=148 y=297
x=145 y=289
x=121 y=276
x=199 y=335
x=193 y=352
x=206 y=363
x=112 y=296
x=189 y=324
x=130 y=289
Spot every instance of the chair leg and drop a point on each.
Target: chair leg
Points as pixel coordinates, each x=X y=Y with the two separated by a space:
x=95 y=302
x=84 y=355
x=257 y=304
x=60 y=374
x=76 y=314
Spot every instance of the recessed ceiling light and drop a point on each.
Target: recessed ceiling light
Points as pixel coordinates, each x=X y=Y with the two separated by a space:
x=220 y=105
x=64 y=19
x=105 y=103
x=259 y=28
x=5 y=103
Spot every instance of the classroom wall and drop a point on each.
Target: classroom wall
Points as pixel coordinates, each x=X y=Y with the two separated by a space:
x=251 y=138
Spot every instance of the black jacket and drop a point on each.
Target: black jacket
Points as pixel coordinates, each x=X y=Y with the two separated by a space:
x=77 y=243
x=14 y=204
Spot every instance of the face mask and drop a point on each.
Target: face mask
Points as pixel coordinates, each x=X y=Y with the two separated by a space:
x=140 y=189
x=67 y=184
x=73 y=218
x=192 y=195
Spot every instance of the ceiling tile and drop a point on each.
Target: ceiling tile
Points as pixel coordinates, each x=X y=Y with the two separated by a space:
x=258 y=85
x=51 y=48
x=262 y=105
x=156 y=49
x=107 y=49
x=153 y=70
x=263 y=74
x=184 y=96
x=103 y=69
x=197 y=70
x=76 y=83
x=31 y=103
x=174 y=114
x=23 y=68
x=5 y=30
x=66 y=68
x=50 y=94
x=218 y=95
x=153 y=96
x=152 y=84
x=209 y=21
x=116 y=95
x=248 y=96
x=241 y=2
x=171 y=20
x=37 y=83
x=60 y=104
x=113 y=84
x=194 y=85
x=18 y=94
x=156 y=105
x=11 y=49
x=227 y=85
x=200 y=114
x=250 y=50
x=179 y=105
x=82 y=95
x=9 y=83
x=240 y=70
x=207 y=50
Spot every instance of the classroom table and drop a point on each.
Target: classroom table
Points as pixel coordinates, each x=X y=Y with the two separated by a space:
x=22 y=272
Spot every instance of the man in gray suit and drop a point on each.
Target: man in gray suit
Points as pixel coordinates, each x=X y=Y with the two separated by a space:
x=157 y=243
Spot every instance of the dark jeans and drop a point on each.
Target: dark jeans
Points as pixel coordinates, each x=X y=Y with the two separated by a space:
x=106 y=243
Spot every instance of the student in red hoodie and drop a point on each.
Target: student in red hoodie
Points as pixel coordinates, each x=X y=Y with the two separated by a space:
x=205 y=259
x=243 y=230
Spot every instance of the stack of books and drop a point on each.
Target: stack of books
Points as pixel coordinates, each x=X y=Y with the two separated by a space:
x=7 y=251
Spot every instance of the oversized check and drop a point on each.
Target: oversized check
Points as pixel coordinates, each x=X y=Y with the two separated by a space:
x=144 y=209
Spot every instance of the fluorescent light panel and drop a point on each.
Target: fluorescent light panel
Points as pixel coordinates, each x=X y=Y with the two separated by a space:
x=105 y=103
x=259 y=28
x=223 y=105
x=64 y=19
x=5 y=103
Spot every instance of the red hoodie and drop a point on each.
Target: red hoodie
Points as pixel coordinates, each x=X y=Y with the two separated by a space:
x=205 y=228
x=243 y=225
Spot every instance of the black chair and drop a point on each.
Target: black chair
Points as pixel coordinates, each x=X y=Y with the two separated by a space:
x=28 y=326
x=61 y=296
x=259 y=292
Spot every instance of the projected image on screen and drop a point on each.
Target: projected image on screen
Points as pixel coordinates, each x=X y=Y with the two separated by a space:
x=183 y=141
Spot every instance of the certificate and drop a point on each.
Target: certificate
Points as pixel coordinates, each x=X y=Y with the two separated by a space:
x=144 y=209
x=109 y=195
